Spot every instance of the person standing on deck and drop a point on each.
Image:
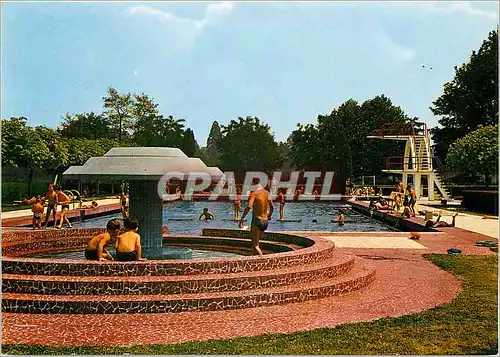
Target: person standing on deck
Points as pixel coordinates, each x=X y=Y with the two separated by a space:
x=281 y=202
x=50 y=196
x=262 y=209
x=237 y=205
x=412 y=199
x=64 y=201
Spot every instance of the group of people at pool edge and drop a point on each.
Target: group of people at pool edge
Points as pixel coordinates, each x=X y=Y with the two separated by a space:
x=55 y=196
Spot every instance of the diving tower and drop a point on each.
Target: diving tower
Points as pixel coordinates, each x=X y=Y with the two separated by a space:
x=417 y=159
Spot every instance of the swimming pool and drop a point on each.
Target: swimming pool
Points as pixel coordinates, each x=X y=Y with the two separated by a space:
x=182 y=218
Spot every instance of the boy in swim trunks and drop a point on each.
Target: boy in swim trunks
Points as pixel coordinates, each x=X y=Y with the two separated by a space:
x=37 y=210
x=64 y=201
x=95 y=249
x=50 y=196
x=260 y=203
x=206 y=215
x=128 y=244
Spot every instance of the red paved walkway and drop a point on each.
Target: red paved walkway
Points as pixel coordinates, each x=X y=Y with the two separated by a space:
x=405 y=283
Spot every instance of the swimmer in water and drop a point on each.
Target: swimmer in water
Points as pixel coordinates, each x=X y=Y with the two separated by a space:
x=341 y=219
x=206 y=215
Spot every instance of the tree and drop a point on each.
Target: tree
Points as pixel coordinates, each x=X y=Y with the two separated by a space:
x=22 y=146
x=80 y=150
x=189 y=145
x=284 y=152
x=470 y=100
x=310 y=144
x=335 y=150
x=14 y=141
x=148 y=125
x=85 y=126
x=58 y=149
x=248 y=145
x=213 y=142
x=118 y=113
x=305 y=147
x=475 y=153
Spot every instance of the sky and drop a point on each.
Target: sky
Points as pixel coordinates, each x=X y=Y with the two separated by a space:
x=284 y=62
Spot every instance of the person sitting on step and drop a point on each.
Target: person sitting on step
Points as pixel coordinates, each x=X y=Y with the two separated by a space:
x=128 y=244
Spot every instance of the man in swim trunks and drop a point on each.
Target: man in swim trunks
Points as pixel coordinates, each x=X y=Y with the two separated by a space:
x=128 y=244
x=260 y=203
x=64 y=201
x=50 y=196
x=37 y=210
x=281 y=201
x=95 y=249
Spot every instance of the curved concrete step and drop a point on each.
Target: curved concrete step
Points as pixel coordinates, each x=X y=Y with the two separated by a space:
x=42 y=284
x=357 y=278
x=66 y=267
x=337 y=265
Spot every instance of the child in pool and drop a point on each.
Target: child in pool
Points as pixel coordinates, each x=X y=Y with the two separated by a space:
x=341 y=219
x=37 y=210
x=206 y=215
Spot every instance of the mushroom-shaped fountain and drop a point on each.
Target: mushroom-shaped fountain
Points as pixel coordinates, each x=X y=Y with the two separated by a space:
x=143 y=167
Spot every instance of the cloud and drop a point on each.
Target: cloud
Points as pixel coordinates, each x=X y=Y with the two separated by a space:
x=463 y=7
x=212 y=13
x=393 y=49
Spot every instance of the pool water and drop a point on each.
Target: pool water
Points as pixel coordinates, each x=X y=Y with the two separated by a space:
x=182 y=218
x=197 y=253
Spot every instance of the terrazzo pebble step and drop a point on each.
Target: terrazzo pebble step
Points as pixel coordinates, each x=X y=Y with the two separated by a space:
x=357 y=278
x=337 y=265
x=320 y=251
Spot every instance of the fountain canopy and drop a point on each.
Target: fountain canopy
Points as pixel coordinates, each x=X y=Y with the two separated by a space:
x=139 y=163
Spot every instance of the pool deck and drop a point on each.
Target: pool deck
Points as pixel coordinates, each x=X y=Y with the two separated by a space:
x=24 y=217
x=405 y=283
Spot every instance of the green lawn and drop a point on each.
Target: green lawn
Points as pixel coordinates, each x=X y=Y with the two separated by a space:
x=467 y=325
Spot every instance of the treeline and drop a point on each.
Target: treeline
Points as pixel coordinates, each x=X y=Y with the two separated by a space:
x=126 y=120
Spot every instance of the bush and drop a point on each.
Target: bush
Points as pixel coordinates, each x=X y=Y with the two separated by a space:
x=18 y=190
